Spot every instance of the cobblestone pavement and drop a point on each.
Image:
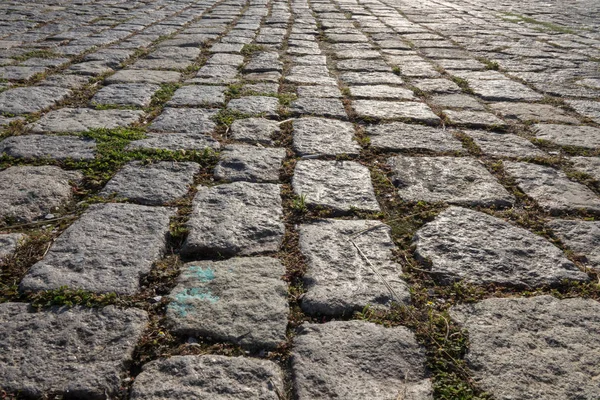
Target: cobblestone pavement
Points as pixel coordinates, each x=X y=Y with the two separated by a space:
x=300 y=199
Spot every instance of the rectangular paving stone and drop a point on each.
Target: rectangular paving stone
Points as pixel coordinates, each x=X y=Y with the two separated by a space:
x=28 y=193
x=383 y=363
x=339 y=279
x=152 y=184
x=533 y=348
x=72 y=120
x=197 y=96
x=337 y=185
x=568 y=135
x=255 y=130
x=49 y=146
x=175 y=141
x=551 y=188
x=503 y=90
x=370 y=78
x=238 y=218
x=474 y=119
x=395 y=110
x=72 y=352
x=462 y=244
x=322 y=136
x=234 y=378
x=454 y=180
x=319 y=107
x=31 y=99
x=383 y=92
x=143 y=76
x=319 y=91
x=249 y=163
x=459 y=101
x=184 y=120
x=256 y=105
x=18 y=73
x=587 y=108
x=240 y=300
x=531 y=112
x=580 y=236
x=397 y=136
x=107 y=250
x=130 y=94
x=504 y=145
x=587 y=165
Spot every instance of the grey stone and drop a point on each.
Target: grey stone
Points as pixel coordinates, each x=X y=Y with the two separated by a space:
x=419 y=70
x=255 y=130
x=226 y=48
x=216 y=73
x=260 y=88
x=240 y=300
x=383 y=92
x=226 y=59
x=264 y=62
x=198 y=96
x=143 y=76
x=339 y=280
x=436 y=86
x=184 y=120
x=92 y=68
x=455 y=180
x=250 y=163
x=78 y=352
x=23 y=100
x=588 y=165
x=474 y=119
x=503 y=90
x=231 y=378
x=525 y=112
x=255 y=105
x=319 y=91
x=583 y=237
x=504 y=145
x=459 y=101
x=175 y=141
x=356 y=360
x=314 y=79
x=321 y=107
x=49 y=146
x=397 y=136
x=587 y=108
x=533 y=348
x=28 y=193
x=17 y=73
x=238 y=218
x=462 y=244
x=566 y=135
x=391 y=110
x=338 y=185
x=9 y=242
x=363 y=65
x=107 y=250
x=132 y=94
x=324 y=137
x=371 y=78
x=152 y=184
x=82 y=119
x=65 y=81
x=551 y=188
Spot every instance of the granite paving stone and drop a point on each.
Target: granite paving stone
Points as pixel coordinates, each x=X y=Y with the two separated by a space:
x=324 y=137
x=75 y=352
x=397 y=136
x=49 y=146
x=255 y=130
x=107 y=250
x=320 y=107
x=532 y=112
x=583 y=237
x=239 y=218
x=175 y=141
x=9 y=242
x=587 y=108
x=143 y=76
x=73 y=120
x=197 y=96
x=390 y=110
x=587 y=165
x=184 y=120
x=383 y=92
x=24 y=100
x=504 y=145
x=474 y=119
x=132 y=94
x=255 y=105
x=462 y=244
x=240 y=300
x=249 y=163
x=569 y=135
x=338 y=185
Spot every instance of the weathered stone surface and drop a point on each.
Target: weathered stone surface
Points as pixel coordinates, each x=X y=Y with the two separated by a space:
x=357 y=360
x=455 y=180
x=338 y=185
x=437 y=86
x=23 y=100
x=587 y=108
x=583 y=237
x=533 y=348
x=131 y=94
x=49 y=146
x=75 y=352
x=388 y=110
x=339 y=280
x=107 y=250
x=459 y=101
x=319 y=91
x=250 y=163
x=152 y=184
x=462 y=244
x=504 y=145
x=397 y=136
x=256 y=105
x=568 y=135
x=475 y=119
x=383 y=92
x=526 y=112
x=503 y=90
x=9 y=243
x=143 y=76
x=551 y=188
x=184 y=120
x=83 y=119
x=240 y=300
x=324 y=137
x=193 y=95
x=371 y=78
x=232 y=378
x=28 y=193
x=18 y=73
x=175 y=141
x=588 y=165
x=320 y=107
x=238 y=218
x=255 y=130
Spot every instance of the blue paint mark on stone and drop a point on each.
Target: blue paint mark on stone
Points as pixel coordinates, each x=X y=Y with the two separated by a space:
x=204 y=275
x=184 y=301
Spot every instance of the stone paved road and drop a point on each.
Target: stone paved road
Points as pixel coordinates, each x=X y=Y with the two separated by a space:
x=299 y=199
